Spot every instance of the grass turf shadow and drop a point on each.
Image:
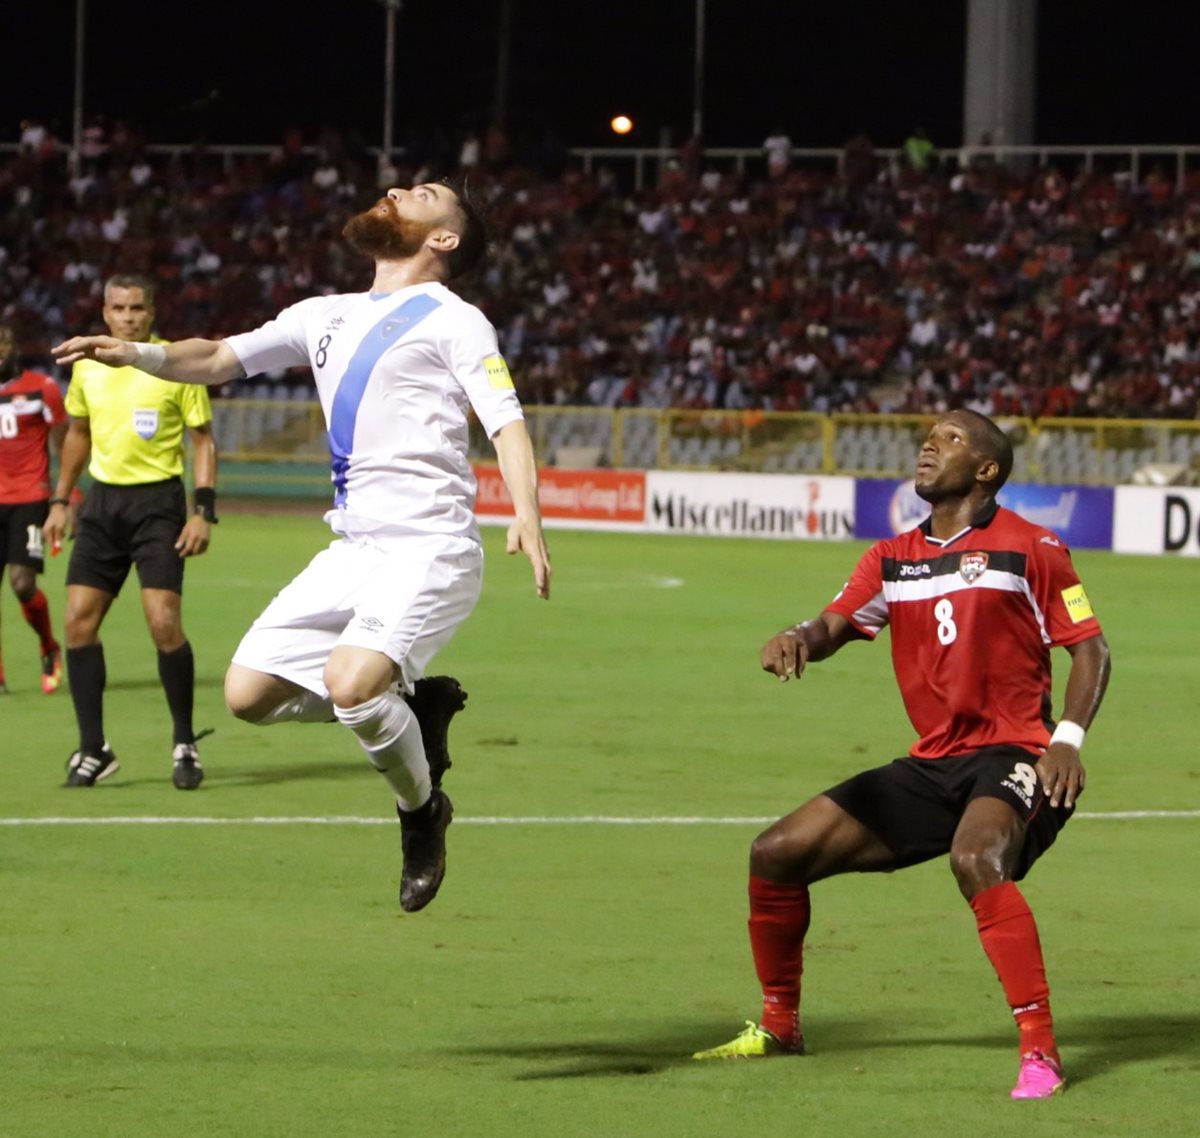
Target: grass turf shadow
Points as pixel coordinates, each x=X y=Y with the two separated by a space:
x=294 y=772
x=218 y=779
x=1097 y=1044
x=1092 y=1047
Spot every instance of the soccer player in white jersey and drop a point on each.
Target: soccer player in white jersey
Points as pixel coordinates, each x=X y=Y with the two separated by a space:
x=396 y=371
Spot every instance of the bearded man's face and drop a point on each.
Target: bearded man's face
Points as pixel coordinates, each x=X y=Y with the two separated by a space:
x=384 y=233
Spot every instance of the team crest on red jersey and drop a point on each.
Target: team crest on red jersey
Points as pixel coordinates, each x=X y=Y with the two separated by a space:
x=971 y=566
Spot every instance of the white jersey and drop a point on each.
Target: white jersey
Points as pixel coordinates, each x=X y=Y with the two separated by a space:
x=395 y=374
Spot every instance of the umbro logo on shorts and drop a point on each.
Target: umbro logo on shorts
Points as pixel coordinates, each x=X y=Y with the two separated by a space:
x=371 y=623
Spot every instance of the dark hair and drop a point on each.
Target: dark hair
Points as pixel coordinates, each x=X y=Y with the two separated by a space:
x=994 y=443
x=131 y=280
x=472 y=236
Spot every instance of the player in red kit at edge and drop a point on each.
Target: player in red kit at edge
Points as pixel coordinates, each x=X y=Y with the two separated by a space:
x=975 y=597
x=31 y=413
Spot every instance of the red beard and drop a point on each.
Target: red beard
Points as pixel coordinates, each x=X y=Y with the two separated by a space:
x=385 y=236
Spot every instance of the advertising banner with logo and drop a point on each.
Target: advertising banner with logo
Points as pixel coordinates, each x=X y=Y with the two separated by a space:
x=1157 y=519
x=1081 y=515
x=782 y=506
x=584 y=499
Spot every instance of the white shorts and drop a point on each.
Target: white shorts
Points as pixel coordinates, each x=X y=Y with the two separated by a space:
x=403 y=597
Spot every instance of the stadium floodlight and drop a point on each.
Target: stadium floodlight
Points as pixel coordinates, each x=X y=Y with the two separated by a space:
x=621 y=124
x=389 y=76
x=77 y=110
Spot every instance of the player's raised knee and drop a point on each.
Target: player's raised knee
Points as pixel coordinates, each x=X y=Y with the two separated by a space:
x=245 y=699
x=355 y=675
x=772 y=854
x=977 y=867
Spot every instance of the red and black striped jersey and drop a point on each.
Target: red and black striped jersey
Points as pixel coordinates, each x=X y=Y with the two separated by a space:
x=29 y=406
x=973 y=619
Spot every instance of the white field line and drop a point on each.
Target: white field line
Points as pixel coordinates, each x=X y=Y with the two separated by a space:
x=527 y=820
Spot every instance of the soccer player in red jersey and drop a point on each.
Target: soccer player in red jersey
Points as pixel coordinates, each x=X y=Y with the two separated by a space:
x=31 y=414
x=975 y=597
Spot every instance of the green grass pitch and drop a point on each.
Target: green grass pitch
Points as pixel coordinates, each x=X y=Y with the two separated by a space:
x=259 y=979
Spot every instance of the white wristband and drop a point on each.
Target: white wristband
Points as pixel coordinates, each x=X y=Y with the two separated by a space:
x=1070 y=733
x=150 y=357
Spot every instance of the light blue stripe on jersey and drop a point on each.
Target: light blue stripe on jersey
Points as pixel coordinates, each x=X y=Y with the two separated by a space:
x=353 y=384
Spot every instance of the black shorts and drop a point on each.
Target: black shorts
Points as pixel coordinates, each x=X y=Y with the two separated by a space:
x=914 y=805
x=21 y=534
x=120 y=526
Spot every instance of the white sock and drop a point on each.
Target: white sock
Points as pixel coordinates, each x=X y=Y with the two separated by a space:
x=388 y=731
x=303 y=707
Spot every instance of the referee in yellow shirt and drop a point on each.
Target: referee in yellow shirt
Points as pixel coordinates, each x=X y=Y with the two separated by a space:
x=132 y=425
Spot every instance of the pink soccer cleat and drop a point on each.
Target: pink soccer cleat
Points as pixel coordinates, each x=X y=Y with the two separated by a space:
x=1040 y=1077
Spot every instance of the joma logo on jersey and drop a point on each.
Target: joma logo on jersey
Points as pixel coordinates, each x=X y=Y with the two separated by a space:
x=915 y=570
x=972 y=566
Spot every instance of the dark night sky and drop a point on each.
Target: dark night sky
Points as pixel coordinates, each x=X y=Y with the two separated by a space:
x=822 y=71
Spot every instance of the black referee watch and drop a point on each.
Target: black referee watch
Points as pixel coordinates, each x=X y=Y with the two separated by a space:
x=206 y=504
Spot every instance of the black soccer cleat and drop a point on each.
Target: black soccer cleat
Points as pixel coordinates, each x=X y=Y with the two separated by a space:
x=435 y=701
x=423 y=843
x=186 y=771
x=86 y=768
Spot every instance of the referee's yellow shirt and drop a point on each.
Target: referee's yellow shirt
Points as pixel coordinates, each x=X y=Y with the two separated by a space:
x=136 y=420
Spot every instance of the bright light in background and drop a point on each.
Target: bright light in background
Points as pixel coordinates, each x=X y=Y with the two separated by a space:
x=622 y=124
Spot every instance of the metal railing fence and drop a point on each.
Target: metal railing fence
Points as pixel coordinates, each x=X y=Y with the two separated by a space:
x=1131 y=160
x=284 y=440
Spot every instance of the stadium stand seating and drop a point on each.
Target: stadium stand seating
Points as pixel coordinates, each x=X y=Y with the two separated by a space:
x=1026 y=293
x=1029 y=293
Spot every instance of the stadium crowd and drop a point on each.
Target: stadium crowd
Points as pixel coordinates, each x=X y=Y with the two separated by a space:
x=882 y=287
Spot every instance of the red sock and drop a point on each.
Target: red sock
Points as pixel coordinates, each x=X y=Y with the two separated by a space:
x=36 y=611
x=1009 y=936
x=779 y=916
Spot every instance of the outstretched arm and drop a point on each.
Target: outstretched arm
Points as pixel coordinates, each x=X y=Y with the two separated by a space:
x=518 y=468
x=786 y=654
x=210 y=362
x=1060 y=768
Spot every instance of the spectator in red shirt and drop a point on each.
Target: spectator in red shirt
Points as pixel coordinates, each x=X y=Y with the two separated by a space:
x=31 y=414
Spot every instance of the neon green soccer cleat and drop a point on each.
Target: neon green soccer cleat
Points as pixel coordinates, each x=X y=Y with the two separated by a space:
x=753 y=1043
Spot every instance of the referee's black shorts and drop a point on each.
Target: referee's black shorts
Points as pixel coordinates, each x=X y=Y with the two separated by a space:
x=21 y=534
x=120 y=526
x=914 y=805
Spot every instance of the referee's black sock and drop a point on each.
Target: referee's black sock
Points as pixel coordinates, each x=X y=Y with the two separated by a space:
x=177 y=670
x=87 y=676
